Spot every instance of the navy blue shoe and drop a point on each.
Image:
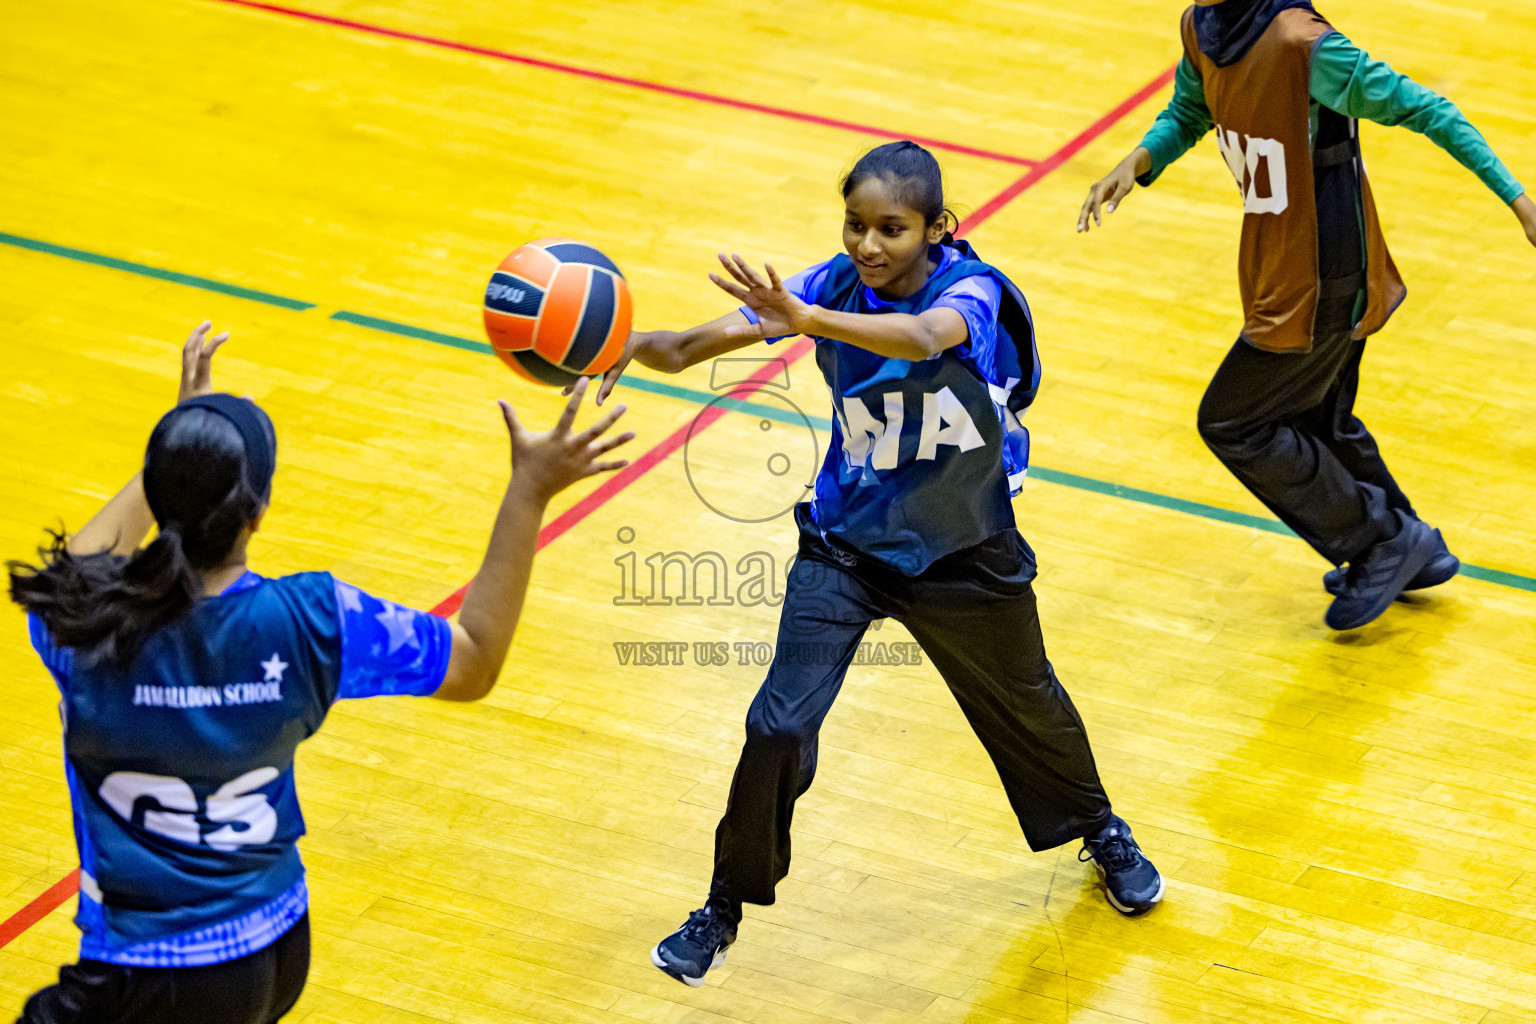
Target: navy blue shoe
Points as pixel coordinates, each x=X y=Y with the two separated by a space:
x=1131 y=883
x=1441 y=567
x=1374 y=581
x=699 y=946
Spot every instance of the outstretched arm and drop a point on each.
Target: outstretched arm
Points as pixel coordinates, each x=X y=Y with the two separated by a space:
x=123 y=523
x=675 y=351
x=1182 y=123
x=1346 y=79
x=543 y=465
x=781 y=312
x=777 y=311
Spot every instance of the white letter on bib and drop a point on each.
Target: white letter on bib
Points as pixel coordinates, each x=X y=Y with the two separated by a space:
x=1242 y=154
x=234 y=801
x=121 y=790
x=859 y=428
x=957 y=427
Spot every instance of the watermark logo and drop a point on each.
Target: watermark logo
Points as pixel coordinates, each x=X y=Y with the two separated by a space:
x=756 y=475
x=667 y=578
x=707 y=653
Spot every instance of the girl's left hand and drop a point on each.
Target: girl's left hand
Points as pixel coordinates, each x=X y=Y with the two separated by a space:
x=779 y=310
x=197 y=361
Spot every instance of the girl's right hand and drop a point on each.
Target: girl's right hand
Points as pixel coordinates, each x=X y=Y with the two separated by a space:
x=197 y=361
x=545 y=464
x=1111 y=190
x=635 y=347
x=632 y=346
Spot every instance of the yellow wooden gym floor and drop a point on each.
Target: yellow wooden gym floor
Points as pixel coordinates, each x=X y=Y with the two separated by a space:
x=1347 y=823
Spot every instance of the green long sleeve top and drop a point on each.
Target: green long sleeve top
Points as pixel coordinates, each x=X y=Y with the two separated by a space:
x=1347 y=80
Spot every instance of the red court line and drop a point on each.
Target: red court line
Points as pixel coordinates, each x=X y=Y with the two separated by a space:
x=635 y=83
x=40 y=908
x=1067 y=152
x=642 y=465
x=66 y=886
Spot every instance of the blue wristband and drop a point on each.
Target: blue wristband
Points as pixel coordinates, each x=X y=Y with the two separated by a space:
x=752 y=318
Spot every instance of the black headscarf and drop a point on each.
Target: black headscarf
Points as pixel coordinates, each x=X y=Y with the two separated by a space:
x=1228 y=30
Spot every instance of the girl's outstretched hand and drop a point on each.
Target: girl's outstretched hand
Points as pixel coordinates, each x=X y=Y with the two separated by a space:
x=546 y=464
x=779 y=311
x=1111 y=190
x=611 y=377
x=197 y=361
x=635 y=347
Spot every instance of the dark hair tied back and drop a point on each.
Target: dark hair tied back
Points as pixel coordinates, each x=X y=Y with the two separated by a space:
x=104 y=605
x=914 y=176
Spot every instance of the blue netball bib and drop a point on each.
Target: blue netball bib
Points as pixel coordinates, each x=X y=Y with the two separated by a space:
x=925 y=454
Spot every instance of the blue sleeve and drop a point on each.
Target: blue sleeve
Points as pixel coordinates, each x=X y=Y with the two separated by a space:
x=387 y=648
x=55 y=658
x=805 y=285
x=977 y=299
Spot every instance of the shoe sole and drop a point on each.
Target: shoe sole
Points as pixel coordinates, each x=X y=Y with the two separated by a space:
x=719 y=961
x=1129 y=911
x=1405 y=574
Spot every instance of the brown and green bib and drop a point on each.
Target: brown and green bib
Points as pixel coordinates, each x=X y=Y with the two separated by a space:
x=1260 y=105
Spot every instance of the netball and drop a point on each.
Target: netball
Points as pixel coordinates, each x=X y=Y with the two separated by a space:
x=556 y=310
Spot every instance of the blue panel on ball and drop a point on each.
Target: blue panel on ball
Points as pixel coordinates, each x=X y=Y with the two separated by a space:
x=575 y=252
x=509 y=294
x=595 y=324
x=543 y=369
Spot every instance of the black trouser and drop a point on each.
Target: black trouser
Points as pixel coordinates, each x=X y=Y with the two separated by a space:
x=255 y=989
x=1284 y=424
x=973 y=613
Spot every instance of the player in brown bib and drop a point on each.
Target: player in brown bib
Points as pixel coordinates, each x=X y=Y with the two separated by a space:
x=1283 y=91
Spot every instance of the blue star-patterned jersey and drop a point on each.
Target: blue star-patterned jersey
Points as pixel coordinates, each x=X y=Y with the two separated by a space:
x=924 y=453
x=180 y=766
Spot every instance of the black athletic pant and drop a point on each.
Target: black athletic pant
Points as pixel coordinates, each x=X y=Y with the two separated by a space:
x=1284 y=424
x=974 y=614
x=255 y=989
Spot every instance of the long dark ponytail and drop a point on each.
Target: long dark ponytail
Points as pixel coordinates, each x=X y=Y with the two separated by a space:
x=202 y=492
x=915 y=177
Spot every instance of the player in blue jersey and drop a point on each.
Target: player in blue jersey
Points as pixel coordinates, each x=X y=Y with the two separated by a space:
x=929 y=354
x=187 y=680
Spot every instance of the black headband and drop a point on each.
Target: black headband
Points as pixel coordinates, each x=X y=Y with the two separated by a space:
x=255 y=433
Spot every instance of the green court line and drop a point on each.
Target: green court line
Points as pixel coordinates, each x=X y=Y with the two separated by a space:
x=420 y=333
x=655 y=387
x=791 y=415
x=1042 y=473
x=1194 y=508
x=1499 y=576
x=191 y=281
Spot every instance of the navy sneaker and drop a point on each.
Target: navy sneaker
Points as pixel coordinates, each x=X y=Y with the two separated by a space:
x=698 y=947
x=1131 y=883
x=1374 y=581
x=1440 y=568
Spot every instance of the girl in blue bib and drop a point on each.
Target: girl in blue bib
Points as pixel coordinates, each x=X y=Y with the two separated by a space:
x=187 y=681
x=929 y=355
